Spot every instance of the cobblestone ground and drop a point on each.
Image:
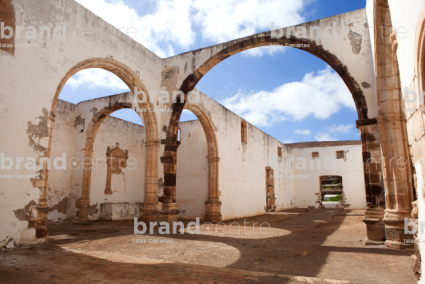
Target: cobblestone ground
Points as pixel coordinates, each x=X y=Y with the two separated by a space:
x=320 y=246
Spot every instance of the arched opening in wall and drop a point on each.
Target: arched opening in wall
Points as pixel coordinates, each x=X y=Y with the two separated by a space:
x=317 y=103
x=192 y=172
x=99 y=143
x=116 y=182
x=331 y=192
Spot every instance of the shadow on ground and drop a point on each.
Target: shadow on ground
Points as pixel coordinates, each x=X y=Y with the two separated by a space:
x=316 y=244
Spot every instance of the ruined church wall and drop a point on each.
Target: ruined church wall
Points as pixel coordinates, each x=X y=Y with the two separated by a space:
x=83 y=122
x=29 y=80
x=129 y=184
x=69 y=138
x=305 y=180
x=242 y=166
x=62 y=144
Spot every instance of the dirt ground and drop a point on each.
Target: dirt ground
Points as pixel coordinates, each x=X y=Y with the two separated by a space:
x=319 y=246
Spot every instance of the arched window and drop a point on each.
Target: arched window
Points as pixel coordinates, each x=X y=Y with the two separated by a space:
x=244 y=138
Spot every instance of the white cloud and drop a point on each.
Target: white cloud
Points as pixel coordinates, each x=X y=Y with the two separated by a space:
x=97 y=78
x=224 y=20
x=340 y=128
x=172 y=23
x=303 y=131
x=320 y=94
x=334 y=130
x=169 y=25
x=287 y=141
x=323 y=136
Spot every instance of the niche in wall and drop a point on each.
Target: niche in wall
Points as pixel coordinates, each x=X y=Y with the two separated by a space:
x=116 y=161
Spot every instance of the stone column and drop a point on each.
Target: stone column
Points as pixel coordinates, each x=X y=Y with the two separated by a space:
x=150 y=210
x=392 y=128
x=108 y=176
x=169 y=212
x=397 y=174
x=213 y=204
x=84 y=204
x=372 y=169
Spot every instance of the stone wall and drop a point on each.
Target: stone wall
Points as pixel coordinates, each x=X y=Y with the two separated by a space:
x=65 y=184
x=62 y=144
x=306 y=172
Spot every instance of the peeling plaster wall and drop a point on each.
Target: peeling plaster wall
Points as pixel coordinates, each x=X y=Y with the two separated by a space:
x=62 y=143
x=307 y=188
x=70 y=130
x=242 y=181
x=242 y=167
x=192 y=170
x=84 y=114
x=131 y=137
x=30 y=78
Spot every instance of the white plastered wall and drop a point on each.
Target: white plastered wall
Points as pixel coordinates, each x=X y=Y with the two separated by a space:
x=30 y=78
x=130 y=137
x=60 y=176
x=192 y=170
x=306 y=173
x=69 y=138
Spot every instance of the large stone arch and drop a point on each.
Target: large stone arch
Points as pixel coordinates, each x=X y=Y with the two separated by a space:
x=253 y=42
x=92 y=129
x=169 y=160
x=339 y=58
x=149 y=119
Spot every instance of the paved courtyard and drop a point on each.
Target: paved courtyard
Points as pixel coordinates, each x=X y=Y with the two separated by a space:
x=318 y=246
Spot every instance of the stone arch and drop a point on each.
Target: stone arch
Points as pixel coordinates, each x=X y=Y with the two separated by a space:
x=92 y=129
x=255 y=41
x=264 y=39
x=128 y=76
x=132 y=80
x=213 y=204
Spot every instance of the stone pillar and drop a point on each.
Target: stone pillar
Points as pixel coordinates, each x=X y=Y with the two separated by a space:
x=84 y=204
x=108 y=177
x=40 y=222
x=83 y=210
x=213 y=204
x=397 y=174
x=372 y=169
x=169 y=212
x=271 y=198
x=150 y=208
x=392 y=128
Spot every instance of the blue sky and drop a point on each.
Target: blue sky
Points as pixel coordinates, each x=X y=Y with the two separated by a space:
x=308 y=101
